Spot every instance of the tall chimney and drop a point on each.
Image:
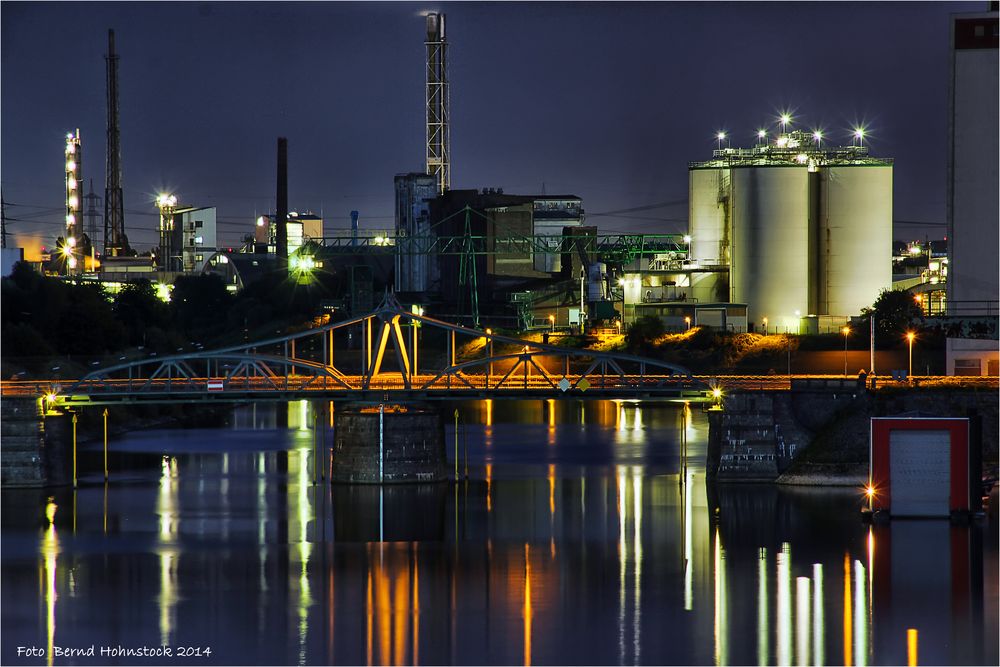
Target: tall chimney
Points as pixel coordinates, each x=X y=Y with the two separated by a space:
x=115 y=239
x=281 y=225
x=438 y=162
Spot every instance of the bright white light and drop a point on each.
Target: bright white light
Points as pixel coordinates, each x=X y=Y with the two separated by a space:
x=720 y=136
x=71 y=262
x=70 y=219
x=817 y=136
x=801 y=158
x=71 y=183
x=761 y=134
x=165 y=200
x=859 y=133
x=70 y=148
x=687 y=238
x=70 y=166
x=785 y=119
x=72 y=201
x=782 y=142
x=260 y=221
x=69 y=135
x=71 y=242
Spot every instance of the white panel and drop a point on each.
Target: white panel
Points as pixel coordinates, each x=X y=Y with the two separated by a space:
x=920 y=472
x=855 y=238
x=770 y=241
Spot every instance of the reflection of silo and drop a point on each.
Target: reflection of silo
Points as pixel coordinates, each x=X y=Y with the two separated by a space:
x=855 y=237
x=770 y=241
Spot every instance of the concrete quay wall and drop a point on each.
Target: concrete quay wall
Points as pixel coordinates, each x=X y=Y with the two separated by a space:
x=817 y=433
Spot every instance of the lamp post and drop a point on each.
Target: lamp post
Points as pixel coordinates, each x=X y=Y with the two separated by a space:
x=909 y=338
x=847 y=332
x=552 y=323
x=765 y=326
x=687 y=321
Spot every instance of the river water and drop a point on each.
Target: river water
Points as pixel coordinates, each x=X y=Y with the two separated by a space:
x=583 y=535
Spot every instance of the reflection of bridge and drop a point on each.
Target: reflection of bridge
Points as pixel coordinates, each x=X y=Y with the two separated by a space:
x=464 y=363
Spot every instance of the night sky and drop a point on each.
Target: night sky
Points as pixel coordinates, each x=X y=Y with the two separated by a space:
x=606 y=101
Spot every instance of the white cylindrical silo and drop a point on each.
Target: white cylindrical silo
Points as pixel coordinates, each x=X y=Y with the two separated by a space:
x=855 y=237
x=769 y=268
x=707 y=214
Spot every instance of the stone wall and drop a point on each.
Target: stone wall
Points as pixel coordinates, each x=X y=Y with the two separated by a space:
x=412 y=444
x=818 y=432
x=22 y=443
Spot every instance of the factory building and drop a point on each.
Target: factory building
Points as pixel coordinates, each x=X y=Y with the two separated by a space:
x=805 y=230
x=198 y=236
x=973 y=219
x=414 y=270
x=300 y=228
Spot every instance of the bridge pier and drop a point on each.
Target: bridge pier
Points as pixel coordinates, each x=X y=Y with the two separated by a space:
x=36 y=446
x=388 y=443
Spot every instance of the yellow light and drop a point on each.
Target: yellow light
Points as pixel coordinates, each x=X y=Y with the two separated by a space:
x=918 y=298
x=910 y=336
x=50 y=397
x=552 y=318
x=716 y=393
x=870 y=491
x=489 y=332
x=846 y=331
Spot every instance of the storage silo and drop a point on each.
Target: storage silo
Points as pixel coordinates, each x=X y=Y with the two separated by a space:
x=855 y=237
x=707 y=190
x=708 y=204
x=769 y=269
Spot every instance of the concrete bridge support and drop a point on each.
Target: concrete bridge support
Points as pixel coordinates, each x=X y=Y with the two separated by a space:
x=22 y=433
x=388 y=443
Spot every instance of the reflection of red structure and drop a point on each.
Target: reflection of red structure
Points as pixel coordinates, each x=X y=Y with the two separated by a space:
x=925 y=437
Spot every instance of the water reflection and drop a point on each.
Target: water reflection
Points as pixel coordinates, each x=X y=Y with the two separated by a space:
x=532 y=563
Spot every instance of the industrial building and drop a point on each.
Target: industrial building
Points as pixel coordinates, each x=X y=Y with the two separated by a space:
x=973 y=218
x=805 y=230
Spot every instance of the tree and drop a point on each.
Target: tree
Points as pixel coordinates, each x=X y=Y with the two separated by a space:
x=895 y=313
x=138 y=308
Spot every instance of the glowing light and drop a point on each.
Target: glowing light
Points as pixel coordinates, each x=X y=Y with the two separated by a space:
x=163 y=292
x=716 y=393
x=761 y=134
x=71 y=241
x=71 y=165
x=71 y=183
x=784 y=605
x=70 y=148
x=50 y=398
x=72 y=201
x=720 y=136
x=763 y=632
x=802 y=620
x=71 y=262
x=260 y=221
x=166 y=200
x=801 y=158
x=846 y=331
x=687 y=238
x=785 y=119
x=818 y=625
x=70 y=219
x=911 y=647
x=817 y=136
x=910 y=336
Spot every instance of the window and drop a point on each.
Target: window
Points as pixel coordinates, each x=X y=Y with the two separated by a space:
x=967 y=367
x=199 y=240
x=198 y=258
x=199 y=223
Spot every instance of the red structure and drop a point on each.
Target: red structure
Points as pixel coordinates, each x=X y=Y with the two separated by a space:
x=922 y=466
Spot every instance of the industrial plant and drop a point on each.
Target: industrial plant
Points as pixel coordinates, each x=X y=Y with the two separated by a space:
x=791 y=234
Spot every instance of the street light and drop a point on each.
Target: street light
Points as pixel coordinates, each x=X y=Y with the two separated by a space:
x=909 y=337
x=765 y=326
x=847 y=332
x=687 y=321
x=552 y=323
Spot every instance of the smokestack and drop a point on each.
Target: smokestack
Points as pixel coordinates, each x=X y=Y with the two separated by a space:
x=115 y=239
x=281 y=225
x=354 y=227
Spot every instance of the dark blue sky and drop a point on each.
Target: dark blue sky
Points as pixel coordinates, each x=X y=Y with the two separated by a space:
x=606 y=101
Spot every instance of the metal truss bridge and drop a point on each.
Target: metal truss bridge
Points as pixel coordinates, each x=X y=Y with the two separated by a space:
x=389 y=354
